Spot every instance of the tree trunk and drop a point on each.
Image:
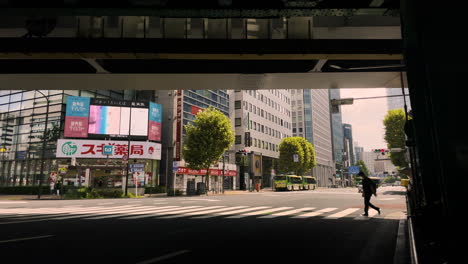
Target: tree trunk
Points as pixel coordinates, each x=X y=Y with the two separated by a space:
x=207 y=180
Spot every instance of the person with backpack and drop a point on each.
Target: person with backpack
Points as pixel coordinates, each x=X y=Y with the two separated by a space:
x=369 y=188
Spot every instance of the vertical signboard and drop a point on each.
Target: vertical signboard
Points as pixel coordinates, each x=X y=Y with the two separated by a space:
x=154 y=125
x=178 y=125
x=77 y=116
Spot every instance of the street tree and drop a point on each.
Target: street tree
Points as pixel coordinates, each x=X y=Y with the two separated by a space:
x=394 y=123
x=291 y=146
x=206 y=140
x=362 y=167
x=309 y=156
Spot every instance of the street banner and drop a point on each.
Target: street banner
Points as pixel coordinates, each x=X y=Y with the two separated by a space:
x=155 y=119
x=77 y=117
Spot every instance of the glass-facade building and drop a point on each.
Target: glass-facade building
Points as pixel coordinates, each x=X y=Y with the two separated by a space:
x=179 y=109
x=23 y=117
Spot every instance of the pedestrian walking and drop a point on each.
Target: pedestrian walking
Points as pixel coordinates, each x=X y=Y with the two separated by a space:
x=369 y=188
x=57 y=187
x=52 y=186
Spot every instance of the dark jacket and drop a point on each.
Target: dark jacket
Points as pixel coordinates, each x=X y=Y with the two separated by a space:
x=368 y=186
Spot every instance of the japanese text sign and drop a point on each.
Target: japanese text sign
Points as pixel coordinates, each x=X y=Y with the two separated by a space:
x=68 y=148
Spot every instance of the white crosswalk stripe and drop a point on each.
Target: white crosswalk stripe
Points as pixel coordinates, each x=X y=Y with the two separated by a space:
x=342 y=213
x=290 y=212
x=316 y=213
x=133 y=212
x=203 y=212
x=129 y=212
x=261 y=212
x=232 y=212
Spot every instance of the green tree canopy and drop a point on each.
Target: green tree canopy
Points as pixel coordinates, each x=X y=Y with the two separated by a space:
x=207 y=139
x=301 y=147
x=394 y=123
x=362 y=167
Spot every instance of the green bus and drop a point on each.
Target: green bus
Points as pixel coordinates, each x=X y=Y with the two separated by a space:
x=287 y=182
x=308 y=183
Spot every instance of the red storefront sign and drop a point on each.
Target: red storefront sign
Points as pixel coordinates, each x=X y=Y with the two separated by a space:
x=213 y=172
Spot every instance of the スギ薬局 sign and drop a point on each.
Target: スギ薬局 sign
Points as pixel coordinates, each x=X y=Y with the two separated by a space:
x=75 y=148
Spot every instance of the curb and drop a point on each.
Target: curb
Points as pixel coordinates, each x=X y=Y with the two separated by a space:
x=402 y=251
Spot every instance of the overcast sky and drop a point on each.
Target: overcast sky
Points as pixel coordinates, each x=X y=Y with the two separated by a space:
x=366 y=116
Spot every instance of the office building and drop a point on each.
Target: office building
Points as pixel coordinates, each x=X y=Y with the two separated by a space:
x=311 y=120
x=348 y=145
x=180 y=108
x=358 y=152
x=262 y=120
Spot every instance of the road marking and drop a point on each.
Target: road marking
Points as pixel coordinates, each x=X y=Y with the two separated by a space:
x=171 y=255
x=12 y=202
x=316 y=213
x=205 y=200
x=132 y=212
x=231 y=212
x=86 y=213
x=187 y=210
x=25 y=238
x=203 y=212
x=104 y=203
x=290 y=212
x=261 y=212
x=156 y=213
x=342 y=213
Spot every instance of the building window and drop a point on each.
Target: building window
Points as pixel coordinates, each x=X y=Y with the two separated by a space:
x=238 y=139
x=238 y=104
x=238 y=121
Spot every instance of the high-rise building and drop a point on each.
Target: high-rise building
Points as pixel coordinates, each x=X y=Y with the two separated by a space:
x=369 y=160
x=358 y=152
x=337 y=130
x=311 y=120
x=348 y=145
x=180 y=108
x=262 y=120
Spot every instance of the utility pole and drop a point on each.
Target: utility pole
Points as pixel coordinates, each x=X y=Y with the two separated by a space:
x=44 y=140
x=128 y=150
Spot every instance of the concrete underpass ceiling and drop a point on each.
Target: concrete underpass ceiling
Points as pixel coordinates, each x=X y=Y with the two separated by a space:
x=310 y=80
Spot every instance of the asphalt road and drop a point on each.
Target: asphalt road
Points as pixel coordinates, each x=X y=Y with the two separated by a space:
x=321 y=226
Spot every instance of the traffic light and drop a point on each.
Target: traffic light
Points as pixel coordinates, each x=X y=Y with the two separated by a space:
x=381 y=151
x=242 y=151
x=240 y=156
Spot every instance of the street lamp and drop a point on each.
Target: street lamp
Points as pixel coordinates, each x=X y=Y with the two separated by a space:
x=44 y=140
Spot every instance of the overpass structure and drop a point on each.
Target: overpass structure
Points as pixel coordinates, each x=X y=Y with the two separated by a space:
x=167 y=44
x=173 y=45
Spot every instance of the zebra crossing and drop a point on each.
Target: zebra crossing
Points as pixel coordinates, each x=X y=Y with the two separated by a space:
x=131 y=212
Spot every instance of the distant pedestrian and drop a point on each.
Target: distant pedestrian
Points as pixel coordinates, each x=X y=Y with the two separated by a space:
x=52 y=186
x=369 y=188
x=57 y=187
